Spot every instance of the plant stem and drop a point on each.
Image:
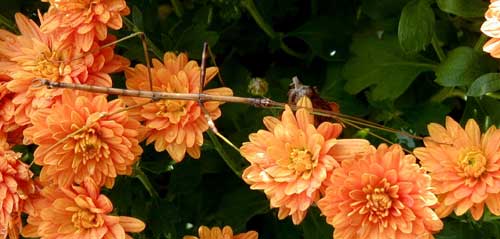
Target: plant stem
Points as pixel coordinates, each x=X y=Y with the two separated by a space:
x=480 y=42
x=145 y=181
x=494 y=95
x=250 y=6
x=218 y=147
x=445 y=93
x=179 y=11
x=437 y=48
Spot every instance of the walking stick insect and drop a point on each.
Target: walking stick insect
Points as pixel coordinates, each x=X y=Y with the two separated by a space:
x=202 y=98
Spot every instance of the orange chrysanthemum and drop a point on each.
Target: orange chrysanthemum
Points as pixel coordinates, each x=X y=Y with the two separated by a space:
x=34 y=55
x=84 y=136
x=226 y=233
x=464 y=166
x=81 y=22
x=77 y=212
x=291 y=160
x=381 y=194
x=9 y=130
x=491 y=28
x=174 y=125
x=15 y=187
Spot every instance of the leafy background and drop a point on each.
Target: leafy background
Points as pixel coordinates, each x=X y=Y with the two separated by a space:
x=400 y=63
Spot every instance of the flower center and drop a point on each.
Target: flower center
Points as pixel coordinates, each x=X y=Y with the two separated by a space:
x=84 y=219
x=46 y=66
x=172 y=109
x=472 y=162
x=300 y=160
x=89 y=146
x=378 y=202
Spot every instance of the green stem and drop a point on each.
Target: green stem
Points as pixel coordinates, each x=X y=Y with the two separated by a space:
x=218 y=147
x=480 y=42
x=290 y=51
x=145 y=181
x=493 y=95
x=179 y=11
x=445 y=93
x=250 y=6
x=437 y=48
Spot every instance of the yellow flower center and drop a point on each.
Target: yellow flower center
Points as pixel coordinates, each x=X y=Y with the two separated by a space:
x=300 y=160
x=378 y=202
x=84 y=219
x=172 y=109
x=47 y=66
x=472 y=162
x=89 y=146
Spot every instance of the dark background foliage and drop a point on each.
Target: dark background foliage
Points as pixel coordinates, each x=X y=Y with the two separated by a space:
x=400 y=63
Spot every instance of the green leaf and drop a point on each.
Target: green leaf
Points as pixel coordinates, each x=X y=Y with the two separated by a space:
x=185 y=178
x=137 y=18
x=419 y=115
x=462 y=66
x=333 y=90
x=486 y=83
x=484 y=110
x=193 y=38
x=382 y=64
x=455 y=229
x=238 y=206
x=324 y=35
x=464 y=8
x=416 y=26
x=164 y=217
x=382 y=8
x=315 y=226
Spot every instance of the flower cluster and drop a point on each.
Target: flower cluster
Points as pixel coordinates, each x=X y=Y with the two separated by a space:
x=84 y=141
x=16 y=185
x=292 y=159
x=464 y=166
x=99 y=139
x=364 y=192
x=382 y=193
x=81 y=22
x=174 y=125
x=77 y=212
x=491 y=28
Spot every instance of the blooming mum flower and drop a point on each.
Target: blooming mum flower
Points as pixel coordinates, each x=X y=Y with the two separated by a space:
x=291 y=160
x=491 y=28
x=80 y=22
x=9 y=130
x=34 y=55
x=77 y=212
x=15 y=187
x=464 y=165
x=84 y=136
x=174 y=125
x=381 y=194
x=226 y=233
